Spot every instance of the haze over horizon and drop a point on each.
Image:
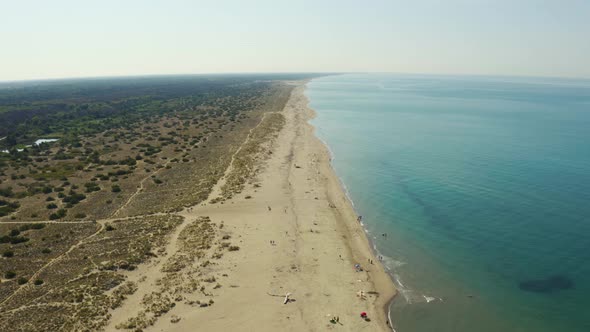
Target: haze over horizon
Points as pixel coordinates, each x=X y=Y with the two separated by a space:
x=65 y=38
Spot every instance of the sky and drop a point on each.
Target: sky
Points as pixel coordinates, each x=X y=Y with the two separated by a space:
x=63 y=38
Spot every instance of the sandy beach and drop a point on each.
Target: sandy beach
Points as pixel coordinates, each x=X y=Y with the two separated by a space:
x=297 y=234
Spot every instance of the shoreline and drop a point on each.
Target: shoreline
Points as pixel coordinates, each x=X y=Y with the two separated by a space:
x=389 y=290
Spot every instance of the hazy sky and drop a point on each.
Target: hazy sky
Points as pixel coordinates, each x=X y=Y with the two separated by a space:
x=63 y=38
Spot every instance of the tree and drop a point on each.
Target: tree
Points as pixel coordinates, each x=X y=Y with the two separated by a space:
x=10 y=140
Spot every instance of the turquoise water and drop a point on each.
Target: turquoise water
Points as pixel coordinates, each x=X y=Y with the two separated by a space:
x=482 y=188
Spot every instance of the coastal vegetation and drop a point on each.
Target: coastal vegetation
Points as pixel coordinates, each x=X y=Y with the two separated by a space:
x=79 y=212
x=114 y=135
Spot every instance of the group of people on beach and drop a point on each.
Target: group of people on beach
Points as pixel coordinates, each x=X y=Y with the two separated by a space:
x=364 y=316
x=335 y=319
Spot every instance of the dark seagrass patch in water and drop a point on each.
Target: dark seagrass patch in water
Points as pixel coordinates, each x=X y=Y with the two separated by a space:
x=547 y=285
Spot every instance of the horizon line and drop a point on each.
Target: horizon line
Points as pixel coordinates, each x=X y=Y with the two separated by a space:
x=66 y=78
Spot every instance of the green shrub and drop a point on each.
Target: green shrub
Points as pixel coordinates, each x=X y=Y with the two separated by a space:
x=6 y=192
x=7 y=208
x=91 y=186
x=9 y=274
x=13 y=239
x=74 y=198
x=57 y=215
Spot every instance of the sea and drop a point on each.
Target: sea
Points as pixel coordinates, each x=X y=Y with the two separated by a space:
x=474 y=189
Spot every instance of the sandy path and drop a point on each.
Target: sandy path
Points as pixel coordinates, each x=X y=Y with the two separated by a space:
x=146 y=276
x=53 y=261
x=217 y=191
x=57 y=259
x=317 y=243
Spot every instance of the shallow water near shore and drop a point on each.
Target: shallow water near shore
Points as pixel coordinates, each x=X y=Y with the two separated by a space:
x=474 y=189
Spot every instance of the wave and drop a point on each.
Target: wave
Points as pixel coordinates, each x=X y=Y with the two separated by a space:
x=411 y=296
